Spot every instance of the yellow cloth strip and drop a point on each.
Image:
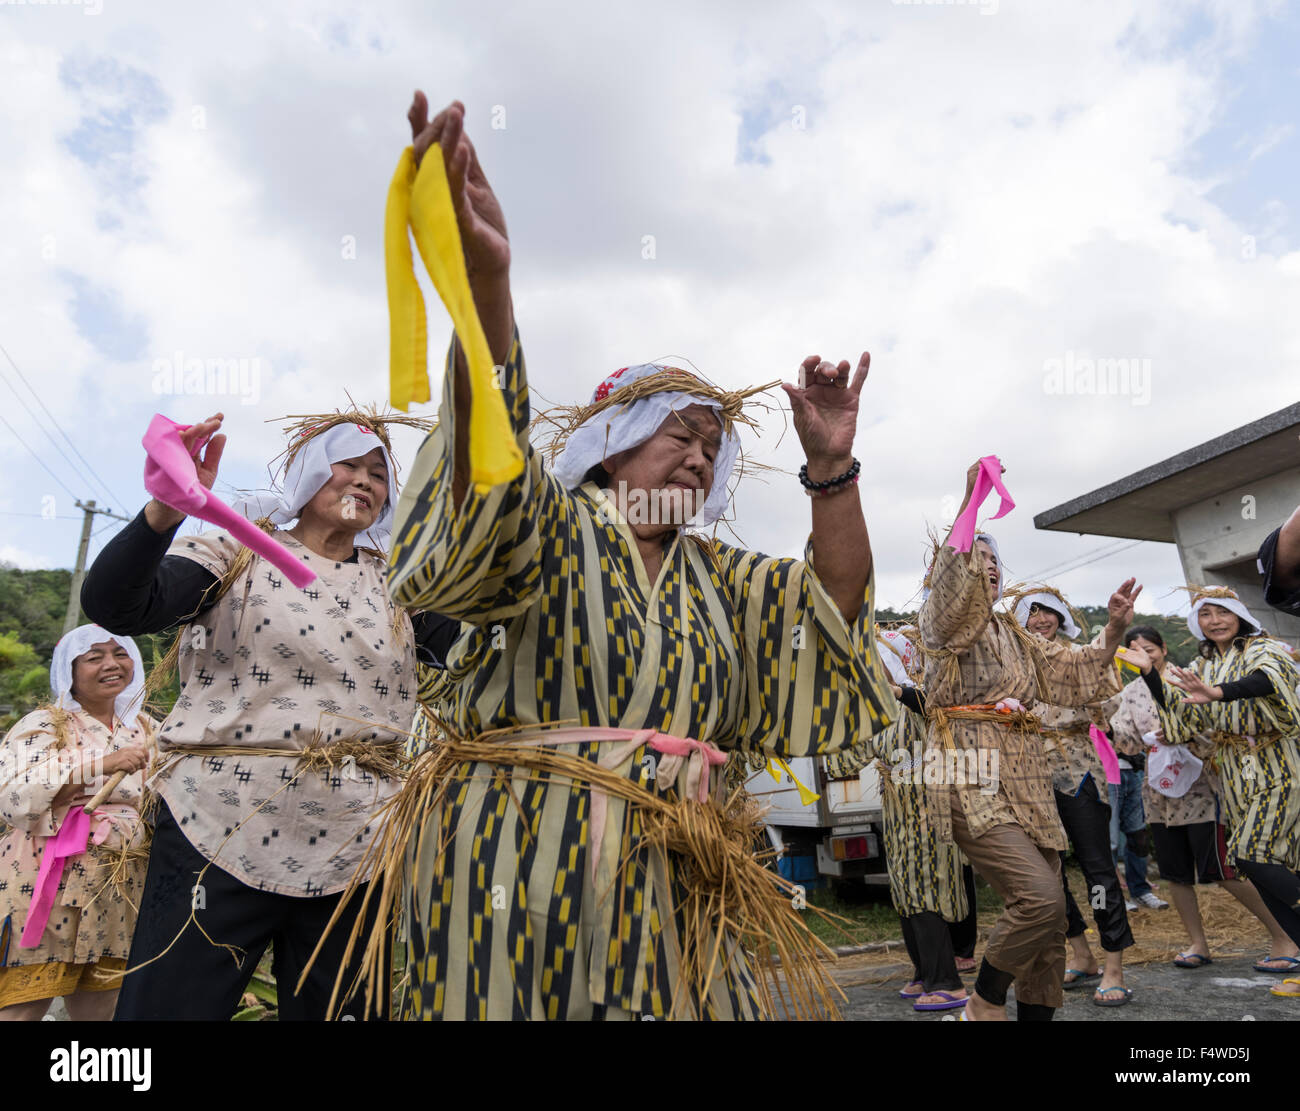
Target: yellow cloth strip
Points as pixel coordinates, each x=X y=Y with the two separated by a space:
x=806 y=796
x=422 y=201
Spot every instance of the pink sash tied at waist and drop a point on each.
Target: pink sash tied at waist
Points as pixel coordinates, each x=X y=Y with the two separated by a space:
x=73 y=838
x=699 y=756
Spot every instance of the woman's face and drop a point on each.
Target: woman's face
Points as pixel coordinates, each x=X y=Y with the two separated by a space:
x=101 y=673
x=1042 y=621
x=1153 y=650
x=1219 y=624
x=664 y=482
x=354 y=496
x=990 y=562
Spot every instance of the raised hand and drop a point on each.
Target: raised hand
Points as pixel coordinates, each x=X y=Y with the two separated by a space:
x=826 y=412
x=478 y=212
x=202 y=437
x=1120 y=606
x=1138 y=657
x=1198 y=694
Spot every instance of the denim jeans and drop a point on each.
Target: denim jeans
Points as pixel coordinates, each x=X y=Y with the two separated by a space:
x=1126 y=816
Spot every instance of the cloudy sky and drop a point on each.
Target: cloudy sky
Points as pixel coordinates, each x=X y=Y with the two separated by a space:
x=976 y=193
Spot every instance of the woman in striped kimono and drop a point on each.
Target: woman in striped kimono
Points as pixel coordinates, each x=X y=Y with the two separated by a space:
x=590 y=605
x=1241 y=691
x=926 y=876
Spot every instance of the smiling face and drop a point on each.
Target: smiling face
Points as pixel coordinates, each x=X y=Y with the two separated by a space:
x=990 y=563
x=1042 y=621
x=671 y=473
x=101 y=673
x=354 y=496
x=1218 y=624
x=1152 y=649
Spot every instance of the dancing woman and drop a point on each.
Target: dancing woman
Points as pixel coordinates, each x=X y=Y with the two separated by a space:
x=287 y=733
x=579 y=890
x=57 y=758
x=982 y=668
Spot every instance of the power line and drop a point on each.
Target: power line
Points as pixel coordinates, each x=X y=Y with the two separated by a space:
x=1111 y=548
x=37 y=424
x=37 y=458
x=52 y=517
x=1067 y=569
x=56 y=424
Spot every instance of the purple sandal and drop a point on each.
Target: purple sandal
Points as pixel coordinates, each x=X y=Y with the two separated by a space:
x=950 y=1002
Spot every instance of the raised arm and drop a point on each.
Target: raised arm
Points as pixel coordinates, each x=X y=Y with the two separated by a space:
x=487 y=253
x=1286 y=567
x=826 y=418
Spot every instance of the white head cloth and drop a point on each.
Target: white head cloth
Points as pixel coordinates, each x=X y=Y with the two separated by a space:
x=1233 y=605
x=621 y=427
x=1049 y=602
x=310 y=470
x=77 y=643
x=899 y=668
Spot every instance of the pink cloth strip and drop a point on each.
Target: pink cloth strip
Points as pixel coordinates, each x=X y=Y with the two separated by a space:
x=989 y=479
x=1109 y=761
x=700 y=755
x=70 y=841
x=170 y=476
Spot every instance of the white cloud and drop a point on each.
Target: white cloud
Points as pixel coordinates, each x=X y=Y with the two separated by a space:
x=971 y=196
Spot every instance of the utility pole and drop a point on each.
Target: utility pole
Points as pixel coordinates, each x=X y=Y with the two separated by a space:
x=79 y=573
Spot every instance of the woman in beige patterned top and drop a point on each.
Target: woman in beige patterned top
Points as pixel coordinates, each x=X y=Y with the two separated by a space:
x=982 y=668
x=1188 y=835
x=55 y=759
x=282 y=744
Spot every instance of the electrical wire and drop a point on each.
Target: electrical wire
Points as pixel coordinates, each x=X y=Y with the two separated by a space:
x=37 y=458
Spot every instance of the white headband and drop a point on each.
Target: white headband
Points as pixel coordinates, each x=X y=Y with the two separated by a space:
x=1051 y=602
x=622 y=427
x=1233 y=605
x=77 y=643
x=311 y=469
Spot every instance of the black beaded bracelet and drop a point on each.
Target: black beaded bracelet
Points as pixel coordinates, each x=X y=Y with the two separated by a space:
x=839 y=480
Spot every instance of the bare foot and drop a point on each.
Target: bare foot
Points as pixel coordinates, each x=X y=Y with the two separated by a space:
x=980 y=1010
x=914 y=988
x=935 y=997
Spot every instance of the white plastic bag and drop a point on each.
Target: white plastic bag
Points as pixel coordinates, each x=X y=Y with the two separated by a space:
x=1172 y=769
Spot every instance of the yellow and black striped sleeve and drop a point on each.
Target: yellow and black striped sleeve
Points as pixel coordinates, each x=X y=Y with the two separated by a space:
x=480 y=561
x=814 y=683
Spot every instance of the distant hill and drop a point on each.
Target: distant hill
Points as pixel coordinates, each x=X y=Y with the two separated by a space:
x=32 y=608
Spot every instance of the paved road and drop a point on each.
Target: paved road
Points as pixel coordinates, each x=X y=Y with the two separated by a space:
x=1227 y=990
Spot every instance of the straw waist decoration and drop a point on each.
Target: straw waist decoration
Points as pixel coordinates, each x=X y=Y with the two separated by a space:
x=347 y=756
x=1245 y=740
x=1008 y=713
x=698 y=758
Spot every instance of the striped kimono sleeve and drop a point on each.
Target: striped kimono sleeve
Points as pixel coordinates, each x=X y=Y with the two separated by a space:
x=480 y=561
x=1180 y=721
x=814 y=683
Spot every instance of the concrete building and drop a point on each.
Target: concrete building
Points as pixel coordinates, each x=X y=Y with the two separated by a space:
x=1216 y=501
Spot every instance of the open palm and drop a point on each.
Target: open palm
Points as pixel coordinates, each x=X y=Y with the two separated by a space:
x=826 y=410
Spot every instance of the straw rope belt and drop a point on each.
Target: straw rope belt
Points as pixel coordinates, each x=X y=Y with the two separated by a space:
x=729 y=890
x=384 y=758
x=1221 y=740
x=1018 y=721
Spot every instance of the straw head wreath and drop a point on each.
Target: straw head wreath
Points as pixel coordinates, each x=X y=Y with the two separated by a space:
x=628 y=407
x=1022 y=597
x=317 y=440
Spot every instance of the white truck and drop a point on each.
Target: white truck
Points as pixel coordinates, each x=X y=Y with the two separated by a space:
x=840 y=836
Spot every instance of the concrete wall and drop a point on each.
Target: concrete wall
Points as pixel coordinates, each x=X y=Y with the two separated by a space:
x=1218 y=538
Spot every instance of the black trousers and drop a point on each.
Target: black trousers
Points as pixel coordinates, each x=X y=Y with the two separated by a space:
x=197 y=979
x=1087 y=824
x=1279 y=887
x=930 y=947
x=965 y=933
